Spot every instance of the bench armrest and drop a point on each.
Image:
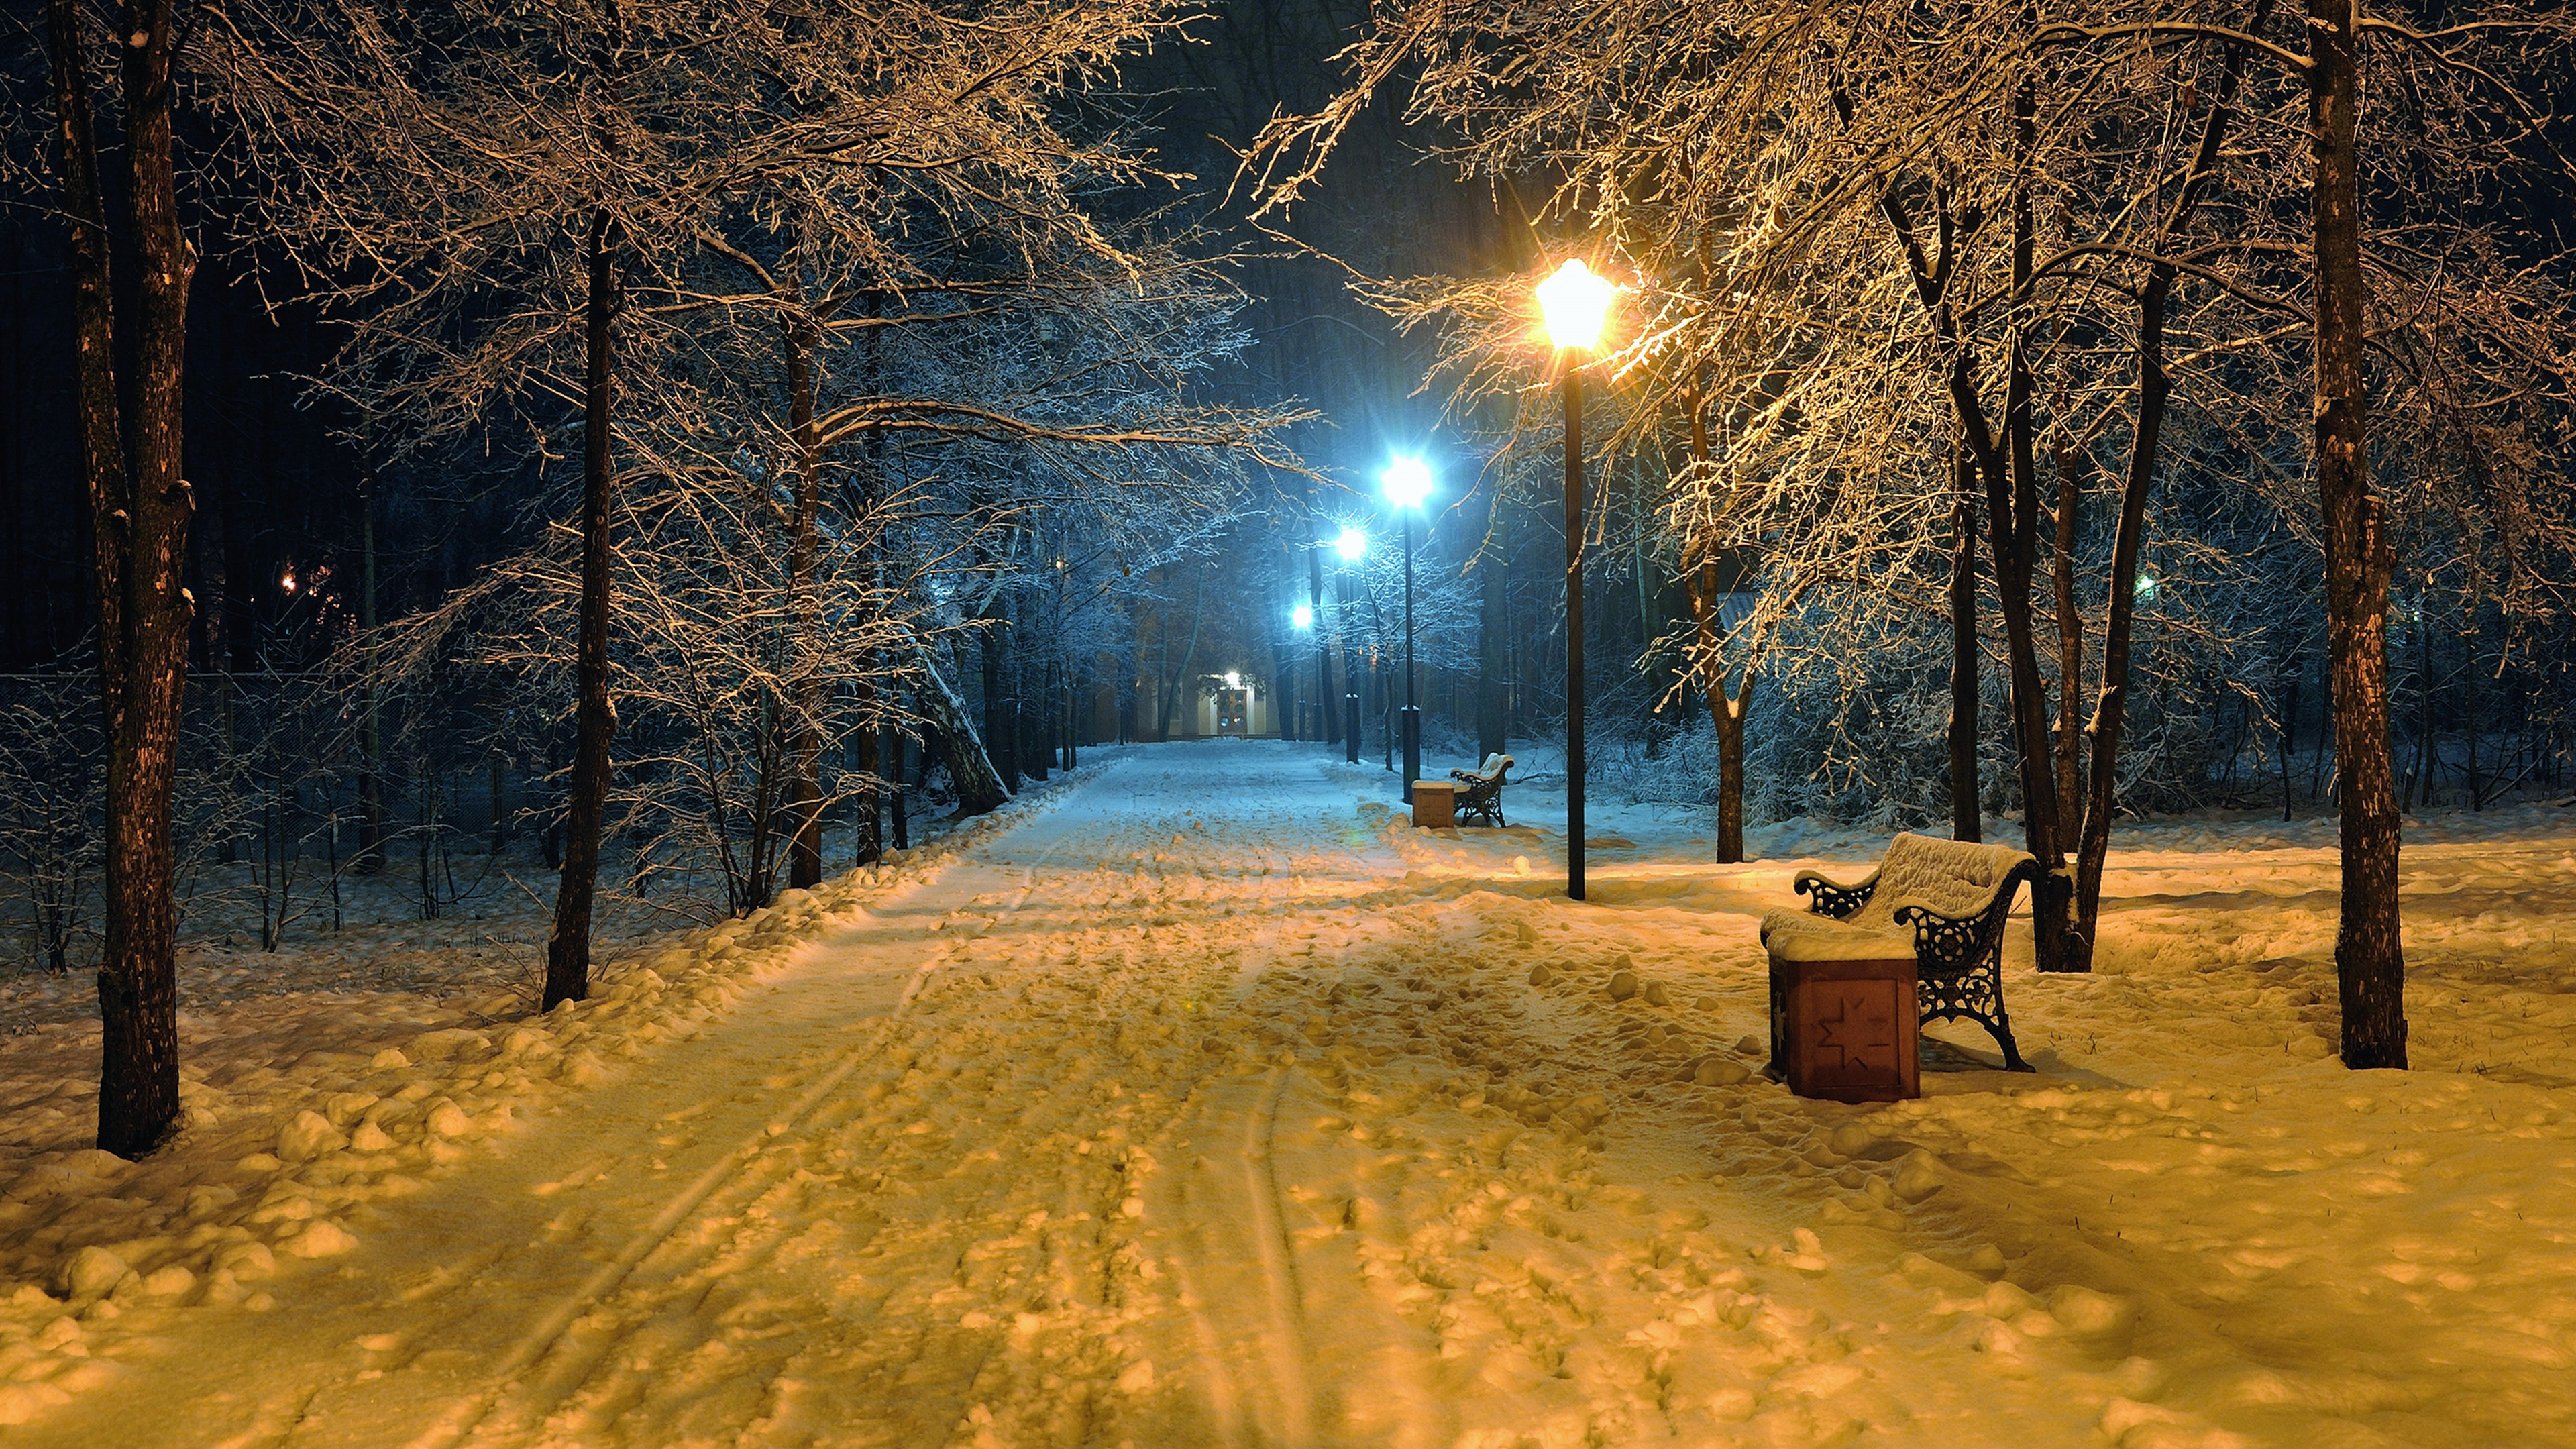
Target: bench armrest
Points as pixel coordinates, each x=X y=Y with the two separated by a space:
x=1944 y=942
x=1833 y=898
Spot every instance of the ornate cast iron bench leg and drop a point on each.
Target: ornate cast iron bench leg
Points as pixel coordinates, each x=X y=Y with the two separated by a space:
x=1960 y=964
x=1479 y=797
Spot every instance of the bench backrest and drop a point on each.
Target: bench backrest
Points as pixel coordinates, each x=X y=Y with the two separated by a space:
x=1493 y=767
x=1956 y=878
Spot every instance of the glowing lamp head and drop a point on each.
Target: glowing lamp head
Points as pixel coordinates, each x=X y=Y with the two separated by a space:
x=1406 y=482
x=1352 y=545
x=1234 y=679
x=1576 y=303
x=1302 y=616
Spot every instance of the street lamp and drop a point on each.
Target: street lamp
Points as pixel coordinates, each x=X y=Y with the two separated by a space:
x=1407 y=483
x=1352 y=546
x=1575 y=303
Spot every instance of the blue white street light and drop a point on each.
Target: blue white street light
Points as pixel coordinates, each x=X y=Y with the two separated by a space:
x=1302 y=617
x=1406 y=482
x=1407 y=485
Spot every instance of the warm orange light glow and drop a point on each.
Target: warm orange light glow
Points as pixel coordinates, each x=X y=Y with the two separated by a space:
x=1576 y=302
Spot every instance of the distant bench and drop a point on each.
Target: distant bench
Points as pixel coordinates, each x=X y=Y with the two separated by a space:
x=1480 y=791
x=1943 y=900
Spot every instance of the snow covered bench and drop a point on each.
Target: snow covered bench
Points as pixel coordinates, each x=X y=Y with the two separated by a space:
x=1480 y=791
x=1945 y=901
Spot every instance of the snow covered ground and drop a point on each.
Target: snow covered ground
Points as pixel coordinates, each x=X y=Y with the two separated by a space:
x=1201 y=1102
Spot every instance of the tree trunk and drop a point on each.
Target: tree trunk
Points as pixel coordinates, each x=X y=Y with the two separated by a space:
x=594 y=713
x=804 y=554
x=970 y=769
x=1981 y=455
x=1328 y=707
x=2427 y=756
x=2011 y=508
x=1728 y=710
x=2110 y=712
x=2469 y=700
x=898 y=815
x=425 y=805
x=1073 y=694
x=1967 y=804
x=1727 y=704
x=2155 y=388
x=2012 y=519
x=214 y=620
x=880 y=749
x=995 y=639
x=139 y=522
x=371 y=778
x=500 y=802
x=1028 y=715
x=2070 y=635
x=1176 y=679
x=2370 y=960
x=2289 y=737
x=1283 y=695
x=1641 y=571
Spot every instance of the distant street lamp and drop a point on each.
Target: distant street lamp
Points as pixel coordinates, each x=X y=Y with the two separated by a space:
x=1352 y=546
x=1407 y=483
x=1575 y=303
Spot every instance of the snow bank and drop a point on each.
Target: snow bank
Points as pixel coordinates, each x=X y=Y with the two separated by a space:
x=305 y=1110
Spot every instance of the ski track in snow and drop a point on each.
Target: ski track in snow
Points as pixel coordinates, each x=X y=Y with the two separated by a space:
x=1198 y=1108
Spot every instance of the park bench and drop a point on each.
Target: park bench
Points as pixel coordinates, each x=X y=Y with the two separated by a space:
x=1943 y=900
x=1480 y=791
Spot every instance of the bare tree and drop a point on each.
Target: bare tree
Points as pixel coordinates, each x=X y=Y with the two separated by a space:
x=1975 y=195
x=130 y=455
x=520 y=202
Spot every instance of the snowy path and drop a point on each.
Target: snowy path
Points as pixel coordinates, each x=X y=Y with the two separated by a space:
x=1188 y=1113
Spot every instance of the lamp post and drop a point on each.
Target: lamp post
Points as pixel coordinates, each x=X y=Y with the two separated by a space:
x=1352 y=546
x=1406 y=483
x=1575 y=303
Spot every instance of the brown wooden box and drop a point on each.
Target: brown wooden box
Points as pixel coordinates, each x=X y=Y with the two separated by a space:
x=1435 y=803
x=1843 y=1025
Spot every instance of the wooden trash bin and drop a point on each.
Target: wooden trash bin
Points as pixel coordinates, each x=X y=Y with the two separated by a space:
x=1843 y=1018
x=1435 y=803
